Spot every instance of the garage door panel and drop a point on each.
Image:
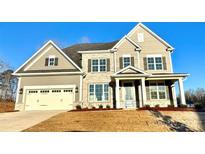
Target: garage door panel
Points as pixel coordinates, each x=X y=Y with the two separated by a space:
x=49 y=99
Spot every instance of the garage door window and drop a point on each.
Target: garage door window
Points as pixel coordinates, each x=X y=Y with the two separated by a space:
x=56 y=91
x=44 y=91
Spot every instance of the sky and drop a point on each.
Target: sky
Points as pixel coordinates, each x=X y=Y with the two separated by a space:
x=19 y=41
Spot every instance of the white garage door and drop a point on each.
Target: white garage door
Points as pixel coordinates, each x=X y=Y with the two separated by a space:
x=49 y=99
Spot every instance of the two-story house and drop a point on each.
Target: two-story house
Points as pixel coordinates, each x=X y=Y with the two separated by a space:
x=129 y=73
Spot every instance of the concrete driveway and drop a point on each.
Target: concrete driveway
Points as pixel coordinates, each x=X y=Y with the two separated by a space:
x=18 y=121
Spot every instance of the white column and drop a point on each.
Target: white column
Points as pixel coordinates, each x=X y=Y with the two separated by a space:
x=181 y=92
x=143 y=91
x=117 y=93
x=140 y=95
x=81 y=89
x=174 y=97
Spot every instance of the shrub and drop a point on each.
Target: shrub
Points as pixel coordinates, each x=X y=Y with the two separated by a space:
x=108 y=106
x=198 y=106
x=93 y=107
x=182 y=106
x=157 y=106
x=100 y=106
x=170 y=106
x=78 y=107
x=147 y=107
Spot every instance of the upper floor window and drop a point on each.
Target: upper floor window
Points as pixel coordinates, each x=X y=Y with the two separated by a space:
x=126 y=61
x=51 y=61
x=99 y=65
x=154 y=63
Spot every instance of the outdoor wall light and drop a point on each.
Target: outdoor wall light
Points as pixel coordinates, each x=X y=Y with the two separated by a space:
x=76 y=90
x=21 y=91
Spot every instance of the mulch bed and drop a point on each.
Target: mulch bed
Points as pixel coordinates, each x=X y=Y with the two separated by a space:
x=96 y=109
x=144 y=108
x=7 y=107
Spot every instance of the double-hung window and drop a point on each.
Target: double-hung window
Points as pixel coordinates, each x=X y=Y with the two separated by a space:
x=99 y=65
x=157 y=90
x=126 y=61
x=51 y=61
x=154 y=63
x=98 y=92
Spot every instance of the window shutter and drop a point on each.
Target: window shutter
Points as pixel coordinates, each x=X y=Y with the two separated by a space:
x=46 y=62
x=121 y=63
x=164 y=63
x=56 y=61
x=145 y=63
x=132 y=61
x=108 y=65
x=89 y=65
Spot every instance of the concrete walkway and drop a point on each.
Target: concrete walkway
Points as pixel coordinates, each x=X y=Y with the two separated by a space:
x=18 y=121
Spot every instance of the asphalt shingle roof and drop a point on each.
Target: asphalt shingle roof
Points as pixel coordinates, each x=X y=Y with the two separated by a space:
x=71 y=51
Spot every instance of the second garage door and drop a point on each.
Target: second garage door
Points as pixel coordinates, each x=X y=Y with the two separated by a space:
x=49 y=99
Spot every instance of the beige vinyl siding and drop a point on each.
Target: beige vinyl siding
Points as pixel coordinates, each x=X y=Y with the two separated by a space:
x=124 y=49
x=151 y=45
x=96 y=77
x=63 y=63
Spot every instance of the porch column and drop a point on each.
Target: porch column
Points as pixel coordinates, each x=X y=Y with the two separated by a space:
x=174 y=95
x=117 y=93
x=140 y=96
x=181 y=92
x=143 y=91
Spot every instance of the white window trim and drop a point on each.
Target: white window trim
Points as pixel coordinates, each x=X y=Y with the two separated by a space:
x=103 y=93
x=51 y=57
x=154 y=56
x=158 y=91
x=99 y=65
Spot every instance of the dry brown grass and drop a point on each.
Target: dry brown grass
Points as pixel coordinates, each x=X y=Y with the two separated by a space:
x=7 y=107
x=101 y=121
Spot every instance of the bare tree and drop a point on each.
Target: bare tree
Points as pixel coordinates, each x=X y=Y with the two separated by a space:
x=8 y=82
x=196 y=96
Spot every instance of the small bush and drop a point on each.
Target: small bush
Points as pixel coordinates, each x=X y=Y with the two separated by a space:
x=157 y=106
x=100 y=106
x=93 y=107
x=170 y=106
x=78 y=107
x=108 y=106
x=198 y=106
x=182 y=106
x=147 y=106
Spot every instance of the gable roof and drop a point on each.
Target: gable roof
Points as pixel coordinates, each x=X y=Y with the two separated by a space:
x=131 y=68
x=129 y=40
x=52 y=43
x=152 y=33
x=72 y=51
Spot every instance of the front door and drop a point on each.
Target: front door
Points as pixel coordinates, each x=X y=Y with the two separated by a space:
x=129 y=95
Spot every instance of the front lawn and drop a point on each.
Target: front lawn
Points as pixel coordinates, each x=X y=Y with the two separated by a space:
x=102 y=121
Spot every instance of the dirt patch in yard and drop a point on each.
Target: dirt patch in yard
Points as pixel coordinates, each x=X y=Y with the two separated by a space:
x=182 y=121
x=102 y=121
x=7 y=107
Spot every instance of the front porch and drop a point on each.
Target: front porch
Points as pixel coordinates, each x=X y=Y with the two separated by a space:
x=138 y=89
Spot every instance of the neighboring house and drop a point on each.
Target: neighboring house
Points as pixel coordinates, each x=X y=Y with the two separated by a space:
x=130 y=73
